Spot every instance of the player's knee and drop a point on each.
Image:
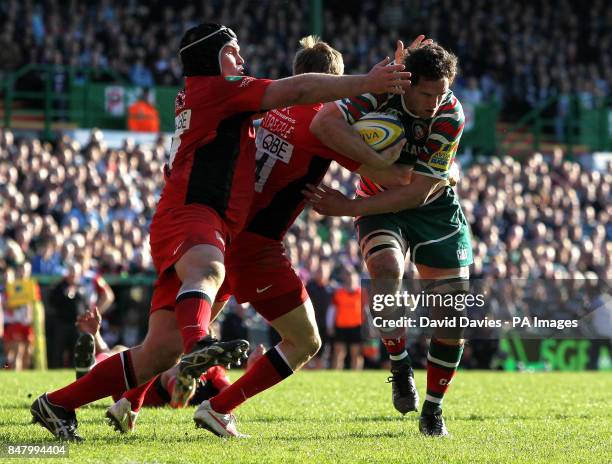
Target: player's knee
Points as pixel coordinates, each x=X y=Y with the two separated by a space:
x=456 y=288
x=384 y=266
x=313 y=344
x=205 y=276
x=306 y=344
x=215 y=272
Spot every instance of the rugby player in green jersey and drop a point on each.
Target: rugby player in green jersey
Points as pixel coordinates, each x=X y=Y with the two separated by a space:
x=423 y=219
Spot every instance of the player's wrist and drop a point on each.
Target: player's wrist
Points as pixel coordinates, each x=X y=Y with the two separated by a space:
x=367 y=84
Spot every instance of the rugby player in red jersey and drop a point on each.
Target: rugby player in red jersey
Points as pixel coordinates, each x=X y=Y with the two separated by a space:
x=204 y=204
x=289 y=157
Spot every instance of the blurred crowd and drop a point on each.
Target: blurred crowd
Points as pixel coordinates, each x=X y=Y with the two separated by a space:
x=516 y=52
x=62 y=200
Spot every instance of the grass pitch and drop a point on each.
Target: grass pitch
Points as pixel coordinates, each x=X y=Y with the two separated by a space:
x=322 y=417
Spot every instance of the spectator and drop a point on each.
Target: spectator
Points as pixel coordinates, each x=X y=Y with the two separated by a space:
x=319 y=290
x=139 y=46
x=347 y=316
x=142 y=115
x=48 y=260
x=18 y=331
x=68 y=299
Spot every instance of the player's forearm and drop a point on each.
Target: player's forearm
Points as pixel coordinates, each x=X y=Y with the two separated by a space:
x=392 y=176
x=331 y=129
x=101 y=346
x=315 y=87
x=107 y=298
x=392 y=200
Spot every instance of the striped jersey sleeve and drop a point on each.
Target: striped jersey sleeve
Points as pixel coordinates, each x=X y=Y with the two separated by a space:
x=354 y=108
x=436 y=157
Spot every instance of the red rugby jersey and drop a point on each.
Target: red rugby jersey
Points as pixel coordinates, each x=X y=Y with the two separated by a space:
x=212 y=159
x=288 y=156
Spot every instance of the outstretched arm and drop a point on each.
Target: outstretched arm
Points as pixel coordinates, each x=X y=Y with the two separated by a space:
x=315 y=88
x=90 y=323
x=106 y=295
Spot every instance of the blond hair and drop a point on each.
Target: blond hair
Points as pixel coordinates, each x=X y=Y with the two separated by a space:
x=317 y=56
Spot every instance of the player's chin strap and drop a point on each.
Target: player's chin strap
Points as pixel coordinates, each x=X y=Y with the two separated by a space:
x=222 y=28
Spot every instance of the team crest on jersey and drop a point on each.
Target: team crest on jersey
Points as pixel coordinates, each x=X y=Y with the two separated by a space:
x=179 y=103
x=443 y=157
x=419 y=130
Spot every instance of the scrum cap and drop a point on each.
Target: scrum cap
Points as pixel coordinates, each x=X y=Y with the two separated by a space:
x=201 y=49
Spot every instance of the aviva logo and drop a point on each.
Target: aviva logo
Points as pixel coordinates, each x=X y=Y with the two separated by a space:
x=379 y=131
x=373 y=135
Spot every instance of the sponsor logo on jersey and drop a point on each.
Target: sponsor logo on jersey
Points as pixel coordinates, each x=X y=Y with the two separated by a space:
x=419 y=130
x=443 y=157
x=245 y=80
x=179 y=103
x=182 y=121
x=273 y=145
x=261 y=290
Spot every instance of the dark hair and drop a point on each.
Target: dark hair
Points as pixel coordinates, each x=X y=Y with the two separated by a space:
x=431 y=62
x=317 y=56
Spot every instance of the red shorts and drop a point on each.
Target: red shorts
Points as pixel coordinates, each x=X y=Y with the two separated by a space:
x=257 y=271
x=18 y=332
x=173 y=233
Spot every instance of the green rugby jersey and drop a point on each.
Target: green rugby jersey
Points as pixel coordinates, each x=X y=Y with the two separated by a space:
x=431 y=143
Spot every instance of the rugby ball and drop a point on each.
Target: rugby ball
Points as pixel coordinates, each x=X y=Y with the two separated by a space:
x=380 y=130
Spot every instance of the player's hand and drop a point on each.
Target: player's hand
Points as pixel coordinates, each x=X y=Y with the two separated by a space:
x=328 y=201
x=390 y=155
x=387 y=78
x=401 y=53
x=90 y=321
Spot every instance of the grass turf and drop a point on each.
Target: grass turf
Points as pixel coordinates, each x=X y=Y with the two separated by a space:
x=348 y=417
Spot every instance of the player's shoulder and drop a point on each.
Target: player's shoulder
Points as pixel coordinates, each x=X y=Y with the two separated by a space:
x=216 y=84
x=450 y=107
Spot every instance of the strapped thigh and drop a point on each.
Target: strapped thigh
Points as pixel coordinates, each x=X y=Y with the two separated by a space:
x=381 y=240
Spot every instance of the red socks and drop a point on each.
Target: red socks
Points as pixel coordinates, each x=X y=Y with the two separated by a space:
x=266 y=372
x=192 y=312
x=136 y=396
x=111 y=377
x=218 y=377
x=396 y=347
